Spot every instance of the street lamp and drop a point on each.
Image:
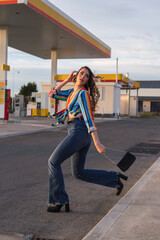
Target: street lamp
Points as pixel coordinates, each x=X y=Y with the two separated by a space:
x=17 y=71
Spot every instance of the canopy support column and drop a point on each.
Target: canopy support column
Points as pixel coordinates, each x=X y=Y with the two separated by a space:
x=53 y=105
x=3 y=73
x=129 y=102
x=117 y=70
x=137 y=104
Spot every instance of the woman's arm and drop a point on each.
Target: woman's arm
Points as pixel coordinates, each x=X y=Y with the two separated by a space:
x=85 y=105
x=69 y=79
x=57 y=93
x=100 y=148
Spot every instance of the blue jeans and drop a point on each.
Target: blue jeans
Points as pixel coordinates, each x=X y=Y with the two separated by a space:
x=75 y=145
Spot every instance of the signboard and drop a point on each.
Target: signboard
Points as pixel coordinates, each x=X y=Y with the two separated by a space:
x=8 y=2
x=2 y=92
x=1 y=100
x=5 y=67
x=1 y=84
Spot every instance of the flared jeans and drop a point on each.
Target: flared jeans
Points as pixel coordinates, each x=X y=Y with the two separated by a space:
x=75 y=145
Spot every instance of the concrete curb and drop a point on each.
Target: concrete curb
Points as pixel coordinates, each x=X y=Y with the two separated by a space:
x=15 y=236
x=107 y=222
x=24 y=133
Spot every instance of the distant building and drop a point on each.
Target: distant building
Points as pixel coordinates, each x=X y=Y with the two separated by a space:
x=148 y=96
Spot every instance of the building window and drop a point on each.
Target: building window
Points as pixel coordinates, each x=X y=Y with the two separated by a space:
x=101 y=91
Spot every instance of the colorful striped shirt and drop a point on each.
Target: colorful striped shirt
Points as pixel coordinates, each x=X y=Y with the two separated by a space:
x=78 y=105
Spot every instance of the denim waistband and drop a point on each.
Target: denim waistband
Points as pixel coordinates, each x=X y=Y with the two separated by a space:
x=75 y=119
x=77 y=124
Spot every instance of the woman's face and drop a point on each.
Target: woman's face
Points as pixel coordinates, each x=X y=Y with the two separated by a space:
x=82 y=77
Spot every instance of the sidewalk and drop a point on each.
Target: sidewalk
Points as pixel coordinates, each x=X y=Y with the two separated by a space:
x=137 y=215
x=19 y=126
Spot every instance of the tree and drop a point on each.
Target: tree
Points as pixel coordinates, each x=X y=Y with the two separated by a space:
x=27 y=91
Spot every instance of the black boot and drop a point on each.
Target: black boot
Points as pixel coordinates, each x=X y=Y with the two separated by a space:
x=119 y=187
x=120 y=184
x=57 y=208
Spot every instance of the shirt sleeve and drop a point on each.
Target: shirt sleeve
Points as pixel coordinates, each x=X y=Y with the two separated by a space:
x=85 y=105
x=59 y=94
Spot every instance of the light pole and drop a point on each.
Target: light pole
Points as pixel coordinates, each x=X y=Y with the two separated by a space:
x=13 y=87
x=116 y=70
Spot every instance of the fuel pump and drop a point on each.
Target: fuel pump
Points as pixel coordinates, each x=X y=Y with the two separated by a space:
x=7 y=101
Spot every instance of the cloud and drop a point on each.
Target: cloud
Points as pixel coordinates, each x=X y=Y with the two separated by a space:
x=26 y=61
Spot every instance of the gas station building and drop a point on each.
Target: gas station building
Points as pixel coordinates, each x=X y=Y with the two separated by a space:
x=115 y=98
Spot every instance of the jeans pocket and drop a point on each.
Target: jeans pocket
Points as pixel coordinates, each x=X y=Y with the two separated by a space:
x=83 y=135
x=72 y=128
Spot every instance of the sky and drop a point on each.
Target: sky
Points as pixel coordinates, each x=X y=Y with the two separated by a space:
x=130 y=27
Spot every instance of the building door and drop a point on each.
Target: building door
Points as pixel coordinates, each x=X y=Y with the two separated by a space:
x=140 y=106
x=38 y=109
x=155 y=106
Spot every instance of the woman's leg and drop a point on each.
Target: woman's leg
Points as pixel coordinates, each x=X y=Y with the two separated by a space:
x=71 y=144
x=57 y=193
x=105 y=178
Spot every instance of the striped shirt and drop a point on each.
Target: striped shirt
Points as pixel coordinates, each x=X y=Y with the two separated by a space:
x=78 y=105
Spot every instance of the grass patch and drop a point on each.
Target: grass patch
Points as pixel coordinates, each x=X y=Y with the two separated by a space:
x=149 y=115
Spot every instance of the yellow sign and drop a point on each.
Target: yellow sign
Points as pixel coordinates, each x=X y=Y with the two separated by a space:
x=38 y=95
x=52 y=102
x=1 y=84
x=1 y=93
x=1 y=100
x=5 y=67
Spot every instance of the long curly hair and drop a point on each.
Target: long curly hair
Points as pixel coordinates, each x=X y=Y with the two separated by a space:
x=91 y=88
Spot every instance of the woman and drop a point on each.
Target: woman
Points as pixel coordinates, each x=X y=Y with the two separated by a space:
x=81 y=102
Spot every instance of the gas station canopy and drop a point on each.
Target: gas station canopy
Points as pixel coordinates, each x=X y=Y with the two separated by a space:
x=37 y=27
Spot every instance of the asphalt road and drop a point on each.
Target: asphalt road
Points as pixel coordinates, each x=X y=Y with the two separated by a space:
x=24 y=179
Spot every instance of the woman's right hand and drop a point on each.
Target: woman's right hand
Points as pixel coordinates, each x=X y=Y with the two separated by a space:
x=71 y=76
x=101 y=148
x=69 y=79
